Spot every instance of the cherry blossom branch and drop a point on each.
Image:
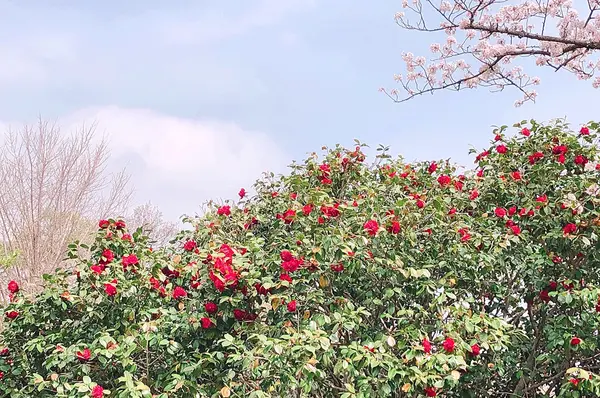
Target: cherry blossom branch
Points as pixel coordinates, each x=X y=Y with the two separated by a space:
x=496 y=34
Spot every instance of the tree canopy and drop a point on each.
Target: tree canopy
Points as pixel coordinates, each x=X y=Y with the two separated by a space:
x=342 y=278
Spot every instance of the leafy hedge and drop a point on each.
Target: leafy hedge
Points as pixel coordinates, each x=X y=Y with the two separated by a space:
x=340 y=279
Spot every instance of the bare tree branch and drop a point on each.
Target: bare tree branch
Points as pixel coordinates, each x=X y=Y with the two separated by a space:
x=53 y=188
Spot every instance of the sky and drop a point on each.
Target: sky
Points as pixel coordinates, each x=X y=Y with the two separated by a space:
x=198 y=98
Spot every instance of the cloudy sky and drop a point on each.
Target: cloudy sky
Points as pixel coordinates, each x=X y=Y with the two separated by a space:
x=198 y=98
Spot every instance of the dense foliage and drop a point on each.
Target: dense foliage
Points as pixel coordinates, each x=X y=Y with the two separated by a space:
x=341 y=279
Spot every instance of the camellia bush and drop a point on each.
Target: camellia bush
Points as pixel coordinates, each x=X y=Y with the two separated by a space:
x=341 y=279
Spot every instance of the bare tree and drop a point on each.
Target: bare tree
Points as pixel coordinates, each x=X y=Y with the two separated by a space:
x=485 y=37
x=150 y=219
x=53 y=189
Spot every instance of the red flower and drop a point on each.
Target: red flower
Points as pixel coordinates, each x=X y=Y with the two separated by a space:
x=430 y=392
x=500 y=212
x=206 y=323
x=120 y=224
x=337 y=267
x=516 y=175
x=574 y=381
x=569 y=229
x=420 y=204
x=288 y=216
x=501 y=149
x=240 y=315
x=224 y=211
x=444 y=180
x=286 y=255
x=432 y=167
x=292 y=265
x=426 y=346
x=580 y=160
x=544 y=296
x=542 y=198
x=584 y=131
x=475 y=350
x=515 y=229
x=210 y=307
x=12 y=314
x=448 y=345
x=84 y=355
x=108 y=256
x=103 y=224
x=242 y=193
x=307 y=209
x=291 y=306
x=371 y=227
x=575 y=341
x=535 y=157
x=97 y=392
x=525 y=131
x=179 y=292
x=13 y=287
x=560 y=150
x=285 y=277
x=129 y=260
x=394 y=228
x=474 y=195
x=190 y=245
x=110 y=289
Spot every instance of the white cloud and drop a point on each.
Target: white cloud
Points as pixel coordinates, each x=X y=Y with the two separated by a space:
x=182 y=163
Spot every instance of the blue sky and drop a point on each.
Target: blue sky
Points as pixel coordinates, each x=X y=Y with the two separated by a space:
x=199 y=97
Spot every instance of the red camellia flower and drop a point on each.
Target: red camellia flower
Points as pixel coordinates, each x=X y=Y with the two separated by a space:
x=12 y=314
x=190 y=245
x=97 y=392
x=286 y=255
x=444 y=180
x=179 y=292
x=475 y=350
x=516 y=230
x=526 y=132
x=371 y=227
x=13 y=287
x=516 y=175
x=240 y=315
x=430 y=392
x=420 y=203
x=584 y=131
x=285 y=277
x=103 y=224
x=501 y=149
x=448 y=345
x=84 y=355
x=288 y=216
x=292 y=265
x=575 y=341
x=432 y=167
x=542 y=198
x=242 y=193
x=120 y=224
x=426 y=346
x=535 y=157
x=206 y=323
x=129 y=260
x=110 y=289
x=210 y=307
x=337 y=267
x=394 y=228
x=307 y=209
x=581 y=160
x=500 y=212
x=291 y=306
x=569 y=229
x=224 y=210
x=108 y=256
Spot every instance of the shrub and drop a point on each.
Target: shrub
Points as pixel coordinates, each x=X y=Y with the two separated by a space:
x=340 y=279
